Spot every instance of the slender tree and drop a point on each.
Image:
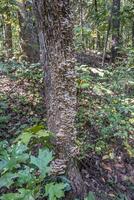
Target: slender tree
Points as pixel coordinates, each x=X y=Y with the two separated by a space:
x=133 y=34
x=28 y=32
x=98 y=34
x=115 y=28
x=7 y=30
x=55 y=35
x=8 y=39
x=82 y=23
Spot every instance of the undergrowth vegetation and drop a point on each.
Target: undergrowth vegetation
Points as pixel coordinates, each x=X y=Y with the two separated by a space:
x=105 y=124
x=25 y=168
x=21 y=97
x=106 y=107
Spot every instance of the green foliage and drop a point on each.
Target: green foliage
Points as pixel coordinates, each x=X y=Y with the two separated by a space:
x=42 y=161
x=4 y=116
x=27 y=170
x=37 y=132
x=90 y=196
x=122 y=197
x=22 y=194
x=106 y=105
x=7 y=180
x=26 y=109
x=55 y=190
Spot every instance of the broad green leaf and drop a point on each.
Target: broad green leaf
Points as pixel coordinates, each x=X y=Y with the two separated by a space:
x=122 y=197
x=55 y=190
x=43 y=133
x=3 y=145
x=84 y=85
x=26 y=194
x=3 y=164
x=17 y=155
x=9 y=164
x=22 y=195
x=42 y=161
x=90 y=196
x=7 y=180
x=24 y=176
x=25 y=137
x=10 y=196
x=19 y=149
x=35 y=128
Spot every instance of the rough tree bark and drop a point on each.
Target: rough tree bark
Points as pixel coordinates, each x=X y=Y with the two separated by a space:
x=106 y=39
x=98 y=34
x=133 y=34
x=115 y=29
x=29 y=41
x=55 y=35
x=8 y=38
x=82 y=23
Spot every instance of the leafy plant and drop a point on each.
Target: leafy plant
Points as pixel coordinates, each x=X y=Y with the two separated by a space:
x=36 y=134
x=122 y=197
x=105 y=106
x=90 y=196
x=29 y=172
x=55 y=190
x=42 y=161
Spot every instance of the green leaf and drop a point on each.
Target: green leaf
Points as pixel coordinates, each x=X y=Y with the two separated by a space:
x=25 y=137
x=90 y=196
x=17 y=155
x=42 y=161
x=26 y=194
x=19 y=149
x=122 y=197
x=84 y=85
x=43 y=133
x=3 y=145
x=24 y=176
x=10 y=196
x=7 y=180
x=35 y=128
x=22 y=195
x=55 y=190
x=3 y=164
x=30 y=133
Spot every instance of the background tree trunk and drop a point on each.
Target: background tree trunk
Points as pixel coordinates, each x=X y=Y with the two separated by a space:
x=82 y=24
x=133 y=34
x=115 y=29
x=98 y=34
x=106 y=39
x=8 y=38
x=55 y=35
x=28 y=32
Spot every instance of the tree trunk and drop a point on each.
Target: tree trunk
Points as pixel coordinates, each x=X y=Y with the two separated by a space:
x=29 y=41
x=82 y=24
x=98 y=34
x=115 y=29
x=55 y=35
x=8 y=39
x=133 y=34
x=106 y=40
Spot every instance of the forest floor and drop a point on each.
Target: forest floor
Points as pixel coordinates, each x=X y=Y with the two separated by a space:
x=105 y=121
x=21 y=100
